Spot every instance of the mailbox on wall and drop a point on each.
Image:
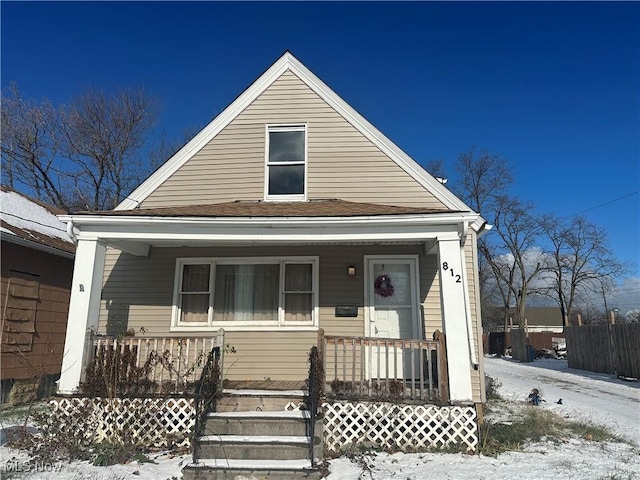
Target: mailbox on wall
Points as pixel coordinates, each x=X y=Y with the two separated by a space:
x=346 y=311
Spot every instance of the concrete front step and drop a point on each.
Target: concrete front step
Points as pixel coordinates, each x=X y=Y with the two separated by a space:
x=258 y=400
x=254 y=447
x=258 y=423
x=229 y=469
x=251 y=436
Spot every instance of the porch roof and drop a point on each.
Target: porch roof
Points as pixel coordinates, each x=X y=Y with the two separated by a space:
x=240 y=209
x=259 y=222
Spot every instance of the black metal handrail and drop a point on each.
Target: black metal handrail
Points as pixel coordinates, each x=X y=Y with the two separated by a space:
x=315 y=383
x=207 y=389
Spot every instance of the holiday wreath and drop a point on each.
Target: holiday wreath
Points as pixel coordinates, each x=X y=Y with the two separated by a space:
x=383 y=286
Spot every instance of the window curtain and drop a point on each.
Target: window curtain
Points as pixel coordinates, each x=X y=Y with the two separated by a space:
x=246 y=292
x=298 y=292
x=194 y=305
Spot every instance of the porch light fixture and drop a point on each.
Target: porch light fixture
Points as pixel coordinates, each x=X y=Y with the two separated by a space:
x=351 y=270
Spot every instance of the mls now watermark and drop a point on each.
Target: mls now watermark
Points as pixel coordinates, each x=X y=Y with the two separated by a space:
x=21 y=466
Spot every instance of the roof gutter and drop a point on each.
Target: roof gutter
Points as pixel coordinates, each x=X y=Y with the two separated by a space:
x=11 y=238
x=431 y=219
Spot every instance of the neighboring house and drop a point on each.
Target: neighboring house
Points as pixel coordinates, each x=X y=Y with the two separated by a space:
x=543 y=331
x=37 y=265
x=544 y=319
x=287 y=214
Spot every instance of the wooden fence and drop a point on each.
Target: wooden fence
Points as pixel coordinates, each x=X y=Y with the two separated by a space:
x=613 y=349
x=519 y=345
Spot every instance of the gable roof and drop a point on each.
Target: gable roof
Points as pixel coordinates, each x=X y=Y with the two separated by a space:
x=27 y=221
x=287 y=62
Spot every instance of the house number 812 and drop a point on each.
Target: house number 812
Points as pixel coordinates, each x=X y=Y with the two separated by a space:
x=445 y=266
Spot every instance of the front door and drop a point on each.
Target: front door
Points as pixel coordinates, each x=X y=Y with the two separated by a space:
x=393 y=312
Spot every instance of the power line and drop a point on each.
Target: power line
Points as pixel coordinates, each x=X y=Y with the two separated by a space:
x=603 y=204
x=33 y=221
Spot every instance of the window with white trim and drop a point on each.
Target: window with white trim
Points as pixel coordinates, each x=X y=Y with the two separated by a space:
x=227 y=292
x=194 y=293
x=286 y=158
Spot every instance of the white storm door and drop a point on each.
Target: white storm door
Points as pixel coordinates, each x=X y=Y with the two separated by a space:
x=393 y=313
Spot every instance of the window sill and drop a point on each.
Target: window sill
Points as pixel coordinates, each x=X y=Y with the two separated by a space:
x=244 y=328
x=285 y=198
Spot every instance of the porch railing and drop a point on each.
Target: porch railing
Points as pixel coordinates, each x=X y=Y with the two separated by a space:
x=385 y=368
x=172 y=364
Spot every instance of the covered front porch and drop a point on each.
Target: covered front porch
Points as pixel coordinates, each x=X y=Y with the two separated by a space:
x=131 y=282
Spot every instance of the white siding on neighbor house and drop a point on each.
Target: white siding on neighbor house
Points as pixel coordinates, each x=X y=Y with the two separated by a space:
x=342 y=163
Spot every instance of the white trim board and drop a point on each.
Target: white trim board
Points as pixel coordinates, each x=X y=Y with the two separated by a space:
x=284 y=63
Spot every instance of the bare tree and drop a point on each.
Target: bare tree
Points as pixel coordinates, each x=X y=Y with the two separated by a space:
x=582 y=263
x=436 y=168
x=165 y=148
x=29 y=146
x=484 y=177
x=515 y=259
x=591 y=315
x=509 y=250
x=524 y=254
x=84 y=155
x=102 y=135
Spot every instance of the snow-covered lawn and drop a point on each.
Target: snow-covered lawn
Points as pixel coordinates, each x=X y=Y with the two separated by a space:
x=586 y=396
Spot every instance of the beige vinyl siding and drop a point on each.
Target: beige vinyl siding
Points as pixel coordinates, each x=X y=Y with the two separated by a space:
x=474 y=293
x=138 y=292
x=342 y=163
x=430 y=295
x=261 y=355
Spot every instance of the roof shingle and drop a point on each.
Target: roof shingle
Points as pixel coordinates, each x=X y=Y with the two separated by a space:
x=313 y=208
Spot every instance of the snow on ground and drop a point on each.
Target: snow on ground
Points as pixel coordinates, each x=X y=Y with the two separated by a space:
x=586 y=396
x=575 y=459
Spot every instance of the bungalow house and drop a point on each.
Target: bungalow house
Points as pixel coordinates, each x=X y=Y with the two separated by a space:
x=37 y=265
x=289 y=220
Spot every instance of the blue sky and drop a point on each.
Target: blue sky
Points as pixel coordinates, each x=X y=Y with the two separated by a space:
x=554 y=87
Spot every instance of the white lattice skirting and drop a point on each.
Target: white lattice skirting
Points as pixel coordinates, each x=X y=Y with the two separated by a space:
x=157 y=422
x=398 y=427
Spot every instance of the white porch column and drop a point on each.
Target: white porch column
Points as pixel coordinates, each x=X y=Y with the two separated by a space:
x=84 y=310
x=454 y=293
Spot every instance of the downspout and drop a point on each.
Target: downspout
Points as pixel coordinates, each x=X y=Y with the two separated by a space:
x=472 y=348
x=71 y=233
x=464 y=231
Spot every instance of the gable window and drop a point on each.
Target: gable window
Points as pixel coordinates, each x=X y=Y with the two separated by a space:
x=286 y=162
x=245 y=292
